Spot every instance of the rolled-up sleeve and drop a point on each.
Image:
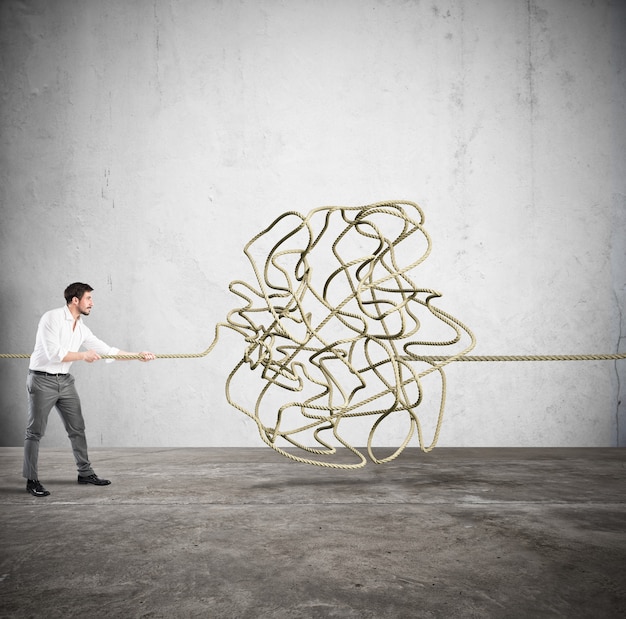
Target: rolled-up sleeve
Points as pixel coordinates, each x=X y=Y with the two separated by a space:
x=91 y=342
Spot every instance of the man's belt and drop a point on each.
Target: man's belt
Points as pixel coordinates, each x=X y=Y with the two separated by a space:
x=45 y=373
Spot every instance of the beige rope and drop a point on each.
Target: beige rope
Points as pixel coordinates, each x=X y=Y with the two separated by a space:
x=328 y=349
x=607 y=357
x=436 y=358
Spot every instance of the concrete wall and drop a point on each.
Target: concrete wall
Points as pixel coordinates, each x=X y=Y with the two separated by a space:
x=144 y=143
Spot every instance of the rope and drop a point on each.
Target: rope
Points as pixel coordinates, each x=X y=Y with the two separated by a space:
x=328 y=346
x=602 y=357
x=436 y=358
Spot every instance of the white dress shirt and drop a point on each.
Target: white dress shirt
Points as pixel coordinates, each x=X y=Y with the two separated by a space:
x=55 y=338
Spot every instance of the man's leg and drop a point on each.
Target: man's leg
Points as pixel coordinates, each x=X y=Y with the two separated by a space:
x=71 y=413
x=42 y=396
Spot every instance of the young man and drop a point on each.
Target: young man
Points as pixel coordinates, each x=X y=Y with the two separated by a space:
x=60 y=335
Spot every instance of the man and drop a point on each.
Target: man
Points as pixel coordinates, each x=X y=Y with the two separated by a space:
x=60 y=335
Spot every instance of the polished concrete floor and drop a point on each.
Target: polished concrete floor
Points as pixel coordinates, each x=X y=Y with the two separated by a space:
x=247 y=533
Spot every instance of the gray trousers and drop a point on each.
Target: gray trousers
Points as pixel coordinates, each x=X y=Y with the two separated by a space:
x=44 y=392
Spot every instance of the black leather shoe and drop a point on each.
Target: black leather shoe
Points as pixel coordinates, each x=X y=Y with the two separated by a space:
x=93 y=479
x=35 y=488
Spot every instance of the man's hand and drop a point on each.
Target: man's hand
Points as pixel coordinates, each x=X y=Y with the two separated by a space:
x=146 y=356
x=90 y=356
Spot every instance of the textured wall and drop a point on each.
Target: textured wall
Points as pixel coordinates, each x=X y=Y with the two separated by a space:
x=144 y=143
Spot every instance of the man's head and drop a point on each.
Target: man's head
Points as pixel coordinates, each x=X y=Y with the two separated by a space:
x=79 y=296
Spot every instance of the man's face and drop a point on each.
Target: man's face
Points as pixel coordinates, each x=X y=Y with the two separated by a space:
x=85 y=304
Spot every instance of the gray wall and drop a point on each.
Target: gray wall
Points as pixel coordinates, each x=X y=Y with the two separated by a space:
x=144 y=143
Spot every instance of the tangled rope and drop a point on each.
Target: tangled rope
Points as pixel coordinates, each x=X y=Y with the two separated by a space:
x=330 y=345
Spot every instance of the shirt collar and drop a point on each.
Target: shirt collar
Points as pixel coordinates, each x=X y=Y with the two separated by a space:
x=67 y=314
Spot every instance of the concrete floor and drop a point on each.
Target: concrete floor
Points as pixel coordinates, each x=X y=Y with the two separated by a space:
x=247 y=533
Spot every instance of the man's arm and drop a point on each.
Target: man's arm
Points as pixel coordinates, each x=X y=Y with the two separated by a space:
x=97 y=347
x=91 y=355
x=86 y=355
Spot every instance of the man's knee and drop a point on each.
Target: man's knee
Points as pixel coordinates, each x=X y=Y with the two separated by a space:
x=33 y=436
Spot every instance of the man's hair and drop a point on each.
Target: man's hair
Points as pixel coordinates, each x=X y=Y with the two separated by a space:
x=76 y=290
